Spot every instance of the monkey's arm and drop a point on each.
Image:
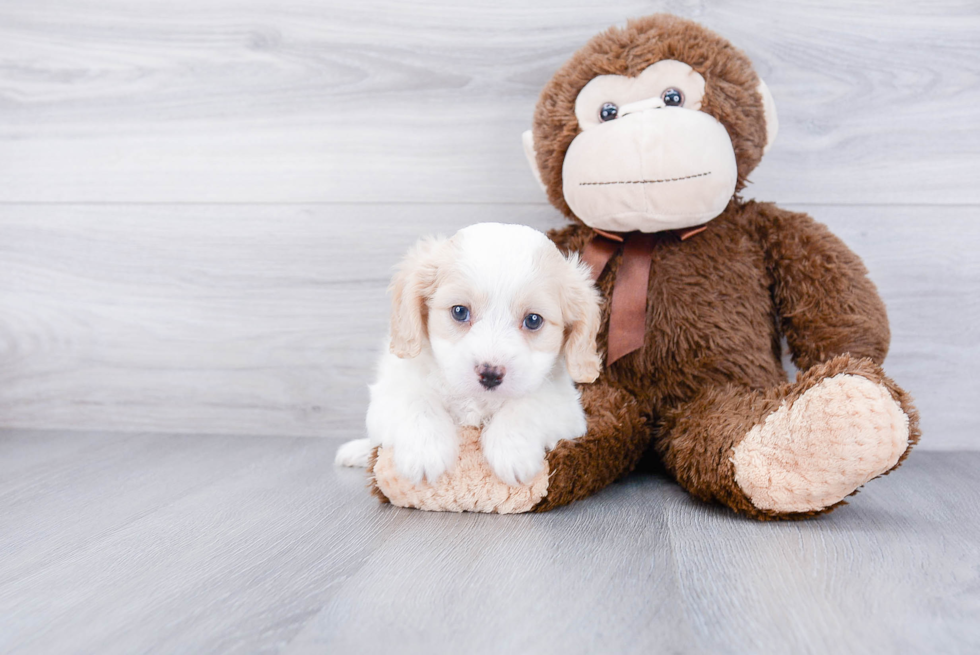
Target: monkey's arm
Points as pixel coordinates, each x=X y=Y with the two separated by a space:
x=617 y=437
x=826 y=304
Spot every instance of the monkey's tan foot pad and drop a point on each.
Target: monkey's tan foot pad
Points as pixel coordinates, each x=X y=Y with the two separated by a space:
x=470 y=487
x=811 y=454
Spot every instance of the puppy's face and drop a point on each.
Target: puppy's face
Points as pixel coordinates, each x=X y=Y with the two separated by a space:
x=498 y=305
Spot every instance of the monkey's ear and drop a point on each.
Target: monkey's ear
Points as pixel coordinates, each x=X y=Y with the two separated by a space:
x=532 y=156
x=772 y=121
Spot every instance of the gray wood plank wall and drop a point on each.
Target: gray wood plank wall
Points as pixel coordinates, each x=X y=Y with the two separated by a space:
x=200 y=201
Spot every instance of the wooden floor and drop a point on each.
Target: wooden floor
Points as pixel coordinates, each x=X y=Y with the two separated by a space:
x=126 y=543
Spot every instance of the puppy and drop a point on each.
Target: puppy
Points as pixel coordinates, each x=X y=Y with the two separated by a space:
x=488 y=328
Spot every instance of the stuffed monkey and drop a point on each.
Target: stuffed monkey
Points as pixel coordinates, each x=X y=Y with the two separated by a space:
x=644 y=139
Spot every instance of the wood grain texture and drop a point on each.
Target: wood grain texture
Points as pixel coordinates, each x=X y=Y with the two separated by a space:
x=301 y=100
x=122 y=543
x=268 y=319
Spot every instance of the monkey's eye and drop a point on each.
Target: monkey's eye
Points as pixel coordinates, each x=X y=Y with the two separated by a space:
x=533 y=321
x=673 y=97
x=608 y=111
x=460 y=313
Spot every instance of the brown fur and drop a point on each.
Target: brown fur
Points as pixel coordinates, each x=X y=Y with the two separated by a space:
x=718 y=303
x=618 y=436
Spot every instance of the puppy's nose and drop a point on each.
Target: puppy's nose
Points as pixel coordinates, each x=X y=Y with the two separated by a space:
x=490 y=376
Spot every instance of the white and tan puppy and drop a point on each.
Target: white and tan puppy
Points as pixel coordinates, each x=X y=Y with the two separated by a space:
x=488 y=328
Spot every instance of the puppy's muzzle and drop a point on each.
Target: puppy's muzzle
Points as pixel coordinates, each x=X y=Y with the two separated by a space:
x=490 y=376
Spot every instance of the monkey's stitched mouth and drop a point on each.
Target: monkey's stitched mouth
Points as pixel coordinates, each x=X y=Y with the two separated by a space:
x=666 y=179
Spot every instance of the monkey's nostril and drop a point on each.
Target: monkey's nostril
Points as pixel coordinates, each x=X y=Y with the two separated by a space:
x=490 y=376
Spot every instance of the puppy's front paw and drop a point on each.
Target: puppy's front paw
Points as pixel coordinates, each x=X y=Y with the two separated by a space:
x=513 y=456
x=354 y=453
x=415 y=460
x=426 y=447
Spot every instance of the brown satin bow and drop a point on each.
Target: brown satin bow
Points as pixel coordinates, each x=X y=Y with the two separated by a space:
x=628 y=308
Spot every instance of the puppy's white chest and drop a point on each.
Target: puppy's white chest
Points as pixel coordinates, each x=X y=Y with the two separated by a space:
x=468 y=412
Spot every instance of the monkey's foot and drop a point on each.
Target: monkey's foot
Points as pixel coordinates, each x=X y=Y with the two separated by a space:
x=817 y=449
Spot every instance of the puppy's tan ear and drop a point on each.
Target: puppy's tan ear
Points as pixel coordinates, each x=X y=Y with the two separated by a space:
x=411 y=287
x=581 y=311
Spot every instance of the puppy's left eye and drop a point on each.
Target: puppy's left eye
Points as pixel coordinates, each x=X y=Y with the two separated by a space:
x=533 y=321
x=461 y=313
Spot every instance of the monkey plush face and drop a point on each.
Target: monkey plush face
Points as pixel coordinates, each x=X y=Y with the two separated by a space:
x=653 y=127
x=647 y=157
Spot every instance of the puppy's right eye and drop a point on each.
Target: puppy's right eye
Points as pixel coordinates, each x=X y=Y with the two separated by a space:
x=461 y=313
